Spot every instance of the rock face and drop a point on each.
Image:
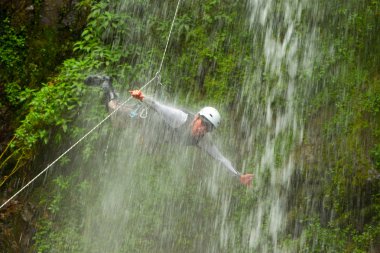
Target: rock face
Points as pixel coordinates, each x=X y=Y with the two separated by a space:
x=50 y=28
x=52 y=13
x=19 y=10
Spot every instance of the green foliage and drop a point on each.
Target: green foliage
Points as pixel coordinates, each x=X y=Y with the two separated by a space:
x=57 y=214
x=330 y=239
x=50 y=110
x=12 y=50
x=210 y=68
x=344 y=119
x=333 y=238
x=46 y=109
x=15 y=95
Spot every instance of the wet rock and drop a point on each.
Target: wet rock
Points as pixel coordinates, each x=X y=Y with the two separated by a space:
x=27 y=212
x=50 y=27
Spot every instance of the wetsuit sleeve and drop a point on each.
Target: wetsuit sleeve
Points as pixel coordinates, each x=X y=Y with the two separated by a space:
x=172 y=116
x=208 y=146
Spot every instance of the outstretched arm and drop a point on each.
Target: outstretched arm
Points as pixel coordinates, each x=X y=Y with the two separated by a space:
x=214 y=152
x=172 y=116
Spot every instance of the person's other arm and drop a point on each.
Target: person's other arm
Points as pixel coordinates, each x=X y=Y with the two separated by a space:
x=207 y=145
x=214 y=152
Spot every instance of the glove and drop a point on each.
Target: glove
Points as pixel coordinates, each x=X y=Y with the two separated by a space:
x=246 y=179
x=137 y=94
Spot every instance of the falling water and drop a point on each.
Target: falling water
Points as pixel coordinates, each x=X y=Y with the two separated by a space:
x=278 y=127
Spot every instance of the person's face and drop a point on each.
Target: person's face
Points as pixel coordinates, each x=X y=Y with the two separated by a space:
x=200 y=126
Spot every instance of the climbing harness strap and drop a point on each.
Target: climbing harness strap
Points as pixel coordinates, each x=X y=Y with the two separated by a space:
x=142 y=114
x=140 y=110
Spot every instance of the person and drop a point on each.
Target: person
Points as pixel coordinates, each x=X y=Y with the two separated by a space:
x=187 y=128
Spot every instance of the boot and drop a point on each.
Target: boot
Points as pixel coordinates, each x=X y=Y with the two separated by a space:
x=105 y=82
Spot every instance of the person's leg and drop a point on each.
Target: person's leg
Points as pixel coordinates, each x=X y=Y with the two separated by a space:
x=106 y=83
x=111 y=98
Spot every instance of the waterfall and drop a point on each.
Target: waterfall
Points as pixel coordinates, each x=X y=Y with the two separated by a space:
x=281 y=74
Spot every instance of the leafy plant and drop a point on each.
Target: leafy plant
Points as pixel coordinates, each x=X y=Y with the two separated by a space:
x=12 y=50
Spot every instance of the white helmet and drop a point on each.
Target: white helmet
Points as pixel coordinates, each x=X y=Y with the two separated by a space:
x=211 y=114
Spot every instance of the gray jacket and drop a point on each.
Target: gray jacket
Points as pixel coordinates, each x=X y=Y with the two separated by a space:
x=180 y=121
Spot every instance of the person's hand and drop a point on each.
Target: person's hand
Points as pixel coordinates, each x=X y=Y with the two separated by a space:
x=246 y=179
x=137 y=94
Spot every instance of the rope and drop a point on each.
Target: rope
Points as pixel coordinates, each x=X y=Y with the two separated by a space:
x=167 y=41
x=102 y=121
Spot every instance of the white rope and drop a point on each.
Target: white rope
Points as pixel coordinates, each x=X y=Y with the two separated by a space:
x=167 y=41
x=102 y=121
